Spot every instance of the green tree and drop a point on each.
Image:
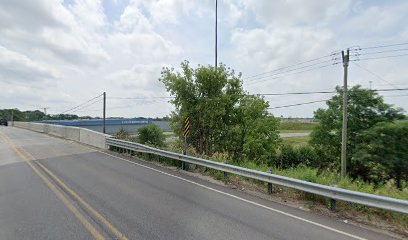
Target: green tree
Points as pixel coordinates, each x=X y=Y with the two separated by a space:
x=223 y=117
x=385 y=145
x=18 y=115
x=151 y=135
x=365 y=109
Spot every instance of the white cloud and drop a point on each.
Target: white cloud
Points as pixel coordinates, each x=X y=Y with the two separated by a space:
x=264 y=49
x=89 y=12
x=297 y=12
x=77 y=49
x=18 y=67
x=377 y=20
x=133 y=20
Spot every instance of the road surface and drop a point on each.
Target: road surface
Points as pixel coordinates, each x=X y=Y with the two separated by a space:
x=288 y=135
x=51 y=188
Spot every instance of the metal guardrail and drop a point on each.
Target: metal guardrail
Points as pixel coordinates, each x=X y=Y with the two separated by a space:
x=371 y=200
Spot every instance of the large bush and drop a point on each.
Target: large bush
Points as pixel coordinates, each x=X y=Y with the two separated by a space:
x=385 y=149
x=365 y=109
x=290 y=156
x=151 y=135
x=223 y=117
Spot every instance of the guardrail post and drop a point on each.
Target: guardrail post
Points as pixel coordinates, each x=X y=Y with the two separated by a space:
x=225 y=174
x=270 y=186
x=183 y=165
x=333 y=205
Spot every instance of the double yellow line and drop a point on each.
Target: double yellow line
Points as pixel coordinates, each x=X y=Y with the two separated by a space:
x=30 y=160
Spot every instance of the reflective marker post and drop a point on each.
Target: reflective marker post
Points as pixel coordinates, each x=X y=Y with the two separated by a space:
x=186 y=132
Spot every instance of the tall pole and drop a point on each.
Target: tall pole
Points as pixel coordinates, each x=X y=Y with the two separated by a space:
x=216 y=33
x=104 y=112
x=344 y=129
x=12 y=117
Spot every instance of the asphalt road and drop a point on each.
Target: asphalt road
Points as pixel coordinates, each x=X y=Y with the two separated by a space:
x=56 y=189
x=288 y=135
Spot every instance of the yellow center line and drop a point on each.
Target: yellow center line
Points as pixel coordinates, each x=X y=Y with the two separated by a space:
x=92 y=230
x=75 y=195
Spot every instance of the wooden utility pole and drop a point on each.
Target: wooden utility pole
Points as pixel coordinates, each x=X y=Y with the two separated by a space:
x=104 y=112
x=344 y=129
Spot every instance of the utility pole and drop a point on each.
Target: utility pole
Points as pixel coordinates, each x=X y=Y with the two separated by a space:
x=12 y=117
x=345 y=59
x=104 y=112
x=216 y=32
x=45 y=112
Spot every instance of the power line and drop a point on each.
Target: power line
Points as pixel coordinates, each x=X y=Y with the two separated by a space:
x=384 y=46
x=400 y=95
x=379 y=57
x=299 y=104
x=295 y=93
x=81 y=104
x=379 y=52
x=294 y=65
x=88 y=105
x=329 y=55
x=255 y=94
x=307 y=70
x=379 y=77
x=287 y=71
x=140 y=98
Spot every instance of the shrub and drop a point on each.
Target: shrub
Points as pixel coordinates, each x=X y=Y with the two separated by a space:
x=151 y=135
x=122 y=134
x=384 y=146
x=288 y=157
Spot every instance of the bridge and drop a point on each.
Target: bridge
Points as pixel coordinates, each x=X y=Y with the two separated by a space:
x=112 y=125
x=55 y=188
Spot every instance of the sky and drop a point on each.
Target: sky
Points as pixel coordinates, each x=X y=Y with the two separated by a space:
x=59 y=54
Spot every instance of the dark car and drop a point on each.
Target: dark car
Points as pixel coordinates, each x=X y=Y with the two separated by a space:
x=3 y=122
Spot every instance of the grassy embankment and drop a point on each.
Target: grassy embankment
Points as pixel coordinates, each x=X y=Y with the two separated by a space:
x=296 y=127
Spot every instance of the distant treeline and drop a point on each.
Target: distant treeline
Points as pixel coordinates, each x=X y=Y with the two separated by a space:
x=37 y=115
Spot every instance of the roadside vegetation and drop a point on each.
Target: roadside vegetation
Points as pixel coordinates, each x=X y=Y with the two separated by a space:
x=228 y=125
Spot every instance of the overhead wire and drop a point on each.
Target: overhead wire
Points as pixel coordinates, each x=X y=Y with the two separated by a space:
x=296 y=64
x=379 y=57
x=385 y=51
x=298 y=104
x=379 y=77
x=69 y=110
x=276 y=77
x=287 y=71
x=385 y=46
x=86 y=106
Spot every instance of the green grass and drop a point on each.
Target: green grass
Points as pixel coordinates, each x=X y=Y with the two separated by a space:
x=294 y=131
x=296 y=141
x=295 y=125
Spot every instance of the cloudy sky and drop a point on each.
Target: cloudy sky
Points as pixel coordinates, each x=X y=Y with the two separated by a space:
x=59 y=54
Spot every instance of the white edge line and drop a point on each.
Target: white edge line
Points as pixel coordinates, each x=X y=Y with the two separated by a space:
x=239 y=198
